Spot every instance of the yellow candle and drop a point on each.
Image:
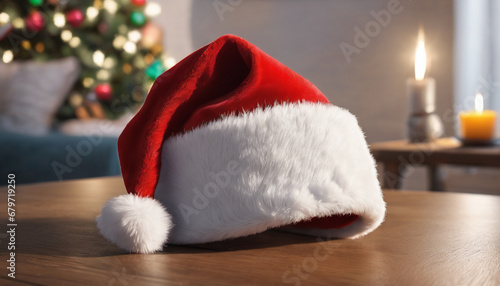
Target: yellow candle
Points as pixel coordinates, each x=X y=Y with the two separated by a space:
x=478 y=124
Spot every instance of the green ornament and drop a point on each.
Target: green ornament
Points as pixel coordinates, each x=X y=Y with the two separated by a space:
x=155 y=70
x=36 y=2
x=138 y=19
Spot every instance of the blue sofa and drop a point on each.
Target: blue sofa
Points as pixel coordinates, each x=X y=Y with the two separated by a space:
x=56 y=157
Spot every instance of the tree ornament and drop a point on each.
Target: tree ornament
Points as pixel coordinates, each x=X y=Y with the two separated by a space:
x=104 y=91
x=36 y=2
x=54 y=2
x=137 y=18
x=35 y=21
x=155 y=70
x=75 y=18
x=138 y=2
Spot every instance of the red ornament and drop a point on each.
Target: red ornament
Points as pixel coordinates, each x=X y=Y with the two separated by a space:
x=75 y=18
x=138 y=2
x=35 y=21
x=104 y=91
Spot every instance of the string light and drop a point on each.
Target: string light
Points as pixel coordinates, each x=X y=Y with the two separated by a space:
x=98 y=57
x=39 y=47
x=103 y=75
x=169 y=62
x=123 y=29
x=134 y=36
x=149 y=58
x=18 y=23
x=26 y=45
x=130 y=47
x=109 y=63
x=4 y=18
x=119 y=41
x=127 y=68
x=110 y=6
x=98 y=4
x=87 y=82
x=59 y=20
x=92 y=13
x=149 y=85
x=139 y=62
x=76 y=99
x=8 y=56
x=66 y=35
x=156 y=49
x=74 y=42
x=152 y=9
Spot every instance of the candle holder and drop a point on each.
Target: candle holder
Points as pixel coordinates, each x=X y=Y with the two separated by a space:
x=479 y=143
x=424 y=124
x=424 y=127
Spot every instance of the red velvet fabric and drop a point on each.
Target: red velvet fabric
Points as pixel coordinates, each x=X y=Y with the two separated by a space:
x=228 y=76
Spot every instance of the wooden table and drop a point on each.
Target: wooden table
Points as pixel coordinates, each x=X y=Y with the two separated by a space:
x=427 y=239
x=396 y=156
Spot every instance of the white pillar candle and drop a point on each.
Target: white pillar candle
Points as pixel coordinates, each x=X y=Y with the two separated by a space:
x=422 y=95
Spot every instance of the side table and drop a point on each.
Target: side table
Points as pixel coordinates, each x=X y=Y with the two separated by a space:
x=396 y=156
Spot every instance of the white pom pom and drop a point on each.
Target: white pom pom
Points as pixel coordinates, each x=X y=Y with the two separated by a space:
x=136 y=224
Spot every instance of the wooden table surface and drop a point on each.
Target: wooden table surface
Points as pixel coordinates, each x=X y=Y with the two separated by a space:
x=427 y=239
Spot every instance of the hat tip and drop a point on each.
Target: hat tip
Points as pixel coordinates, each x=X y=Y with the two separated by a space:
x=135 y=224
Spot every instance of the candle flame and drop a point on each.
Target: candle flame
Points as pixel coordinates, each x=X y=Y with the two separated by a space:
x=420 y=60
x=479 y=103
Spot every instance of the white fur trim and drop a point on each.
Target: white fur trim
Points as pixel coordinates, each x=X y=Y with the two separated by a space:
x=268 y=168
x=136 y=224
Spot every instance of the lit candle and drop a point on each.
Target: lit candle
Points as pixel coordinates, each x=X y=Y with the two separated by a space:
x=423 y=123
x=478 y=125
x=421 y=90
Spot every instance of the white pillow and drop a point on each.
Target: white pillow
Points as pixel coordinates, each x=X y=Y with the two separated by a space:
x=31 y=92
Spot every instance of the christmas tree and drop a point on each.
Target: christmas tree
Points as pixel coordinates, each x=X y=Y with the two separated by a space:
x=119 y=48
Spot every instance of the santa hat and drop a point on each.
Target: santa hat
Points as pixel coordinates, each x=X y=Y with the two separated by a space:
x=229 y=143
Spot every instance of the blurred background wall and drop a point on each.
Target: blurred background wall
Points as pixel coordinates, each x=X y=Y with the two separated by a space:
x=306 y=36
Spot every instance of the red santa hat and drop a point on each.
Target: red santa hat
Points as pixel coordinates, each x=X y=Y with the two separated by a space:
x=229 y=143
